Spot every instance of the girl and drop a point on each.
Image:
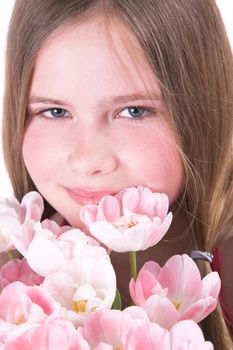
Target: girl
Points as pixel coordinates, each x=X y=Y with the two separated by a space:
x=101 y=95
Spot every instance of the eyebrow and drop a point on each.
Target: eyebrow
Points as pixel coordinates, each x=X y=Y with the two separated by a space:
x=107 y=100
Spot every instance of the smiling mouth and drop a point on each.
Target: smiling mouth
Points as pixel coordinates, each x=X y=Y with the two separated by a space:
x=83 y=197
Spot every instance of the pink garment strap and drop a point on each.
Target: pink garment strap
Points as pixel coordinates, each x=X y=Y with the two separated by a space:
x=217 y=267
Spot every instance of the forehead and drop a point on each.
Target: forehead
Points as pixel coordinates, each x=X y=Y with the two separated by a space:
x=97 y=51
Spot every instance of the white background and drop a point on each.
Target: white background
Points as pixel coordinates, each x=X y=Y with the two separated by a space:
x=226 y=7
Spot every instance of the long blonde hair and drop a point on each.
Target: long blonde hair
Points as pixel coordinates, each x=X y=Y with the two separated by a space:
x=187 y=47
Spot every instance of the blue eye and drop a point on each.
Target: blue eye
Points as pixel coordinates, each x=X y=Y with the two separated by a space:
x=134 y=112
x=55 y=113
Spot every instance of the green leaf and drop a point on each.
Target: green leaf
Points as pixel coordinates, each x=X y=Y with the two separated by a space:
x=117 y=301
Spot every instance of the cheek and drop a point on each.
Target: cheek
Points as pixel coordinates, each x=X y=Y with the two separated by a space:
x=38 y=152
x=156 y=160
x=163 y=168
x=160 y=157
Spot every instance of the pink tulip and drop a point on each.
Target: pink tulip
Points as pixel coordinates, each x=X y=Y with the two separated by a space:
x=17 y=217
x=55 y=335
x=10 y=222
x=185 y=335
x=84 y=285
x=175 y=291
x=21 y=304
x=107 y=327
x=31 y=207
x=20 y=221
x=24 y=237
x=58 y=251
x=9 y=226
x=18 y=270
x=132 y=220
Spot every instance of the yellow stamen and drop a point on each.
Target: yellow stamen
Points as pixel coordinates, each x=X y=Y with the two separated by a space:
x=177 y=305
x=79 y=306
x=20 y=319
x=131 y=224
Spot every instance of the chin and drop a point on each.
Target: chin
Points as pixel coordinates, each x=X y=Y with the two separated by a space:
x=75 y=222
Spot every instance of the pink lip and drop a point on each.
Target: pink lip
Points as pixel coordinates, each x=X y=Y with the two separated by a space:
x=84 y=197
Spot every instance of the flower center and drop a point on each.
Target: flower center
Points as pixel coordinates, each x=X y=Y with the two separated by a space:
x=130 y=224
x=79 y=306
x=177 y=305
x=20 y=319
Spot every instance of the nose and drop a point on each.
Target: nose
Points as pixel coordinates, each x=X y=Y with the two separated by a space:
x=92 y=152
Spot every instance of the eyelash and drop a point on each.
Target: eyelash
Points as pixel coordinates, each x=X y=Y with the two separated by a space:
x=146 y=112
x=44 y=111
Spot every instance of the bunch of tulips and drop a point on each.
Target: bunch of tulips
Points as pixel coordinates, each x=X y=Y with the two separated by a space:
x=59 y=288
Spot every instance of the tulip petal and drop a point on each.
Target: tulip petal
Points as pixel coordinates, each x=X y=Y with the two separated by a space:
x=149 y=337
x=33 y=206
x=131 y=200
x=88 y=214
x=161 y=311
x=133 y=239
x=146 y=283
x=182 y=278
x=52 y=259
x=187 y=335
x=109 y=209
x=211 y=285
x=61 y=287
x=200 y=309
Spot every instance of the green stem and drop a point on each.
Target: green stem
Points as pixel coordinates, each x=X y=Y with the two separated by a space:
x=133 y=264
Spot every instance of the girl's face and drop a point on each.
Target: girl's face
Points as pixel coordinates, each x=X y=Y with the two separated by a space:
x=98 y=121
